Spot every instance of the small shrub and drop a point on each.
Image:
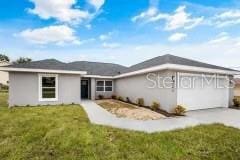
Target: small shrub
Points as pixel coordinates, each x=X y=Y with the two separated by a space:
x=128 y=100
x=27 y=105
x=114 y=96
x=180 y=110
x=120 y=98
x=155 y=106
x=140 y=102
x=72 y=103
x=100 y=96
x=236 y=102
x=4 y=87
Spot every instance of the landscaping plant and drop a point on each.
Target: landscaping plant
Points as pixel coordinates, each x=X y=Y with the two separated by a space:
x=100 y=96
x=180 y=110
x=114 y=96
x=140 y=102
x=128 y=100
x=236 y=102
x=155 y=106
x=120 y=98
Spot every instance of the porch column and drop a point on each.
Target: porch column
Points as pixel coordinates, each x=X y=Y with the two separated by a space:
x=93 y=88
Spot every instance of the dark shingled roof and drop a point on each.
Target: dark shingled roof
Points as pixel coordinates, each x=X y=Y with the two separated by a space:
x=96 y=68
x=92 y=68
x=110 y=69
x=52 y=64
x=171 y=59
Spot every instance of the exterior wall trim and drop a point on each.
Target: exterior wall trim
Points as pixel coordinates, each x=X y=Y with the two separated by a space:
x=178 y=67
x=9 y=69
x=98 y=76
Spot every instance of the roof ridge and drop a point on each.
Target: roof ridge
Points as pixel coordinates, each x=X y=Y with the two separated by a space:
x=97 y=62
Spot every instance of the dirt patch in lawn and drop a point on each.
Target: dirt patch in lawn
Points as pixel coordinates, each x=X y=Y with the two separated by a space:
x=122 y=109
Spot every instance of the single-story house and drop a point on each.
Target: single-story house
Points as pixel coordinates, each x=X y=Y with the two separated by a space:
x=237 y=87
x=4 y=75
x=54 y=82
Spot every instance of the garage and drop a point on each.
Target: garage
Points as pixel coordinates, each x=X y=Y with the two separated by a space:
x=201 y=91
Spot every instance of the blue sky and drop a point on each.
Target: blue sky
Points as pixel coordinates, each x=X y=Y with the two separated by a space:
x=121 y=31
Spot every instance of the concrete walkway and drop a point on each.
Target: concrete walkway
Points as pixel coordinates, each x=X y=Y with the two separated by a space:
x=98 y=115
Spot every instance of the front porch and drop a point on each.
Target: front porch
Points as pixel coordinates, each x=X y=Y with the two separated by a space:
x=91 y=88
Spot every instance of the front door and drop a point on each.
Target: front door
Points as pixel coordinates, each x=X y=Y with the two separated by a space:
x=84 y=89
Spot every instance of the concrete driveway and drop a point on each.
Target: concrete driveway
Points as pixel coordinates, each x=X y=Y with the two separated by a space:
x=226 y=116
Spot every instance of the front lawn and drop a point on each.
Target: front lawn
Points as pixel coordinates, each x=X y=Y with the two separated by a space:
x=64 y=132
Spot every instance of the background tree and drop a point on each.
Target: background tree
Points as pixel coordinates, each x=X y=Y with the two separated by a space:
x=22 y=60
x=4 y=58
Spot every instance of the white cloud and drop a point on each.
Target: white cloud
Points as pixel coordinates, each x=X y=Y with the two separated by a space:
x=152 y=11
x=111 y=45
x=62 y=10
x=106 y=36
x=103 y=37
x=96 y=3
x=88 y=26
x=182 y=19
x=225 y=38
x=177 y=37
x=220 y=38
x=59 y=35
x=179 y=19
x=227 y=18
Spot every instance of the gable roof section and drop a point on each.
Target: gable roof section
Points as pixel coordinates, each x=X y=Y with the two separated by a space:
x=171 y=59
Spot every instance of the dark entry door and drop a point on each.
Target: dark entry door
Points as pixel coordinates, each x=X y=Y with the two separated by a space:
x=84 y=89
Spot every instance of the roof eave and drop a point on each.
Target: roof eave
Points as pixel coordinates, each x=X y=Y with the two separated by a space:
x=31 y=70
x=98 y=76
x=178 y=67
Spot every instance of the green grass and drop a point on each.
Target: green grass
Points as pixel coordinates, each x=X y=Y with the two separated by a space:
x=64 y=132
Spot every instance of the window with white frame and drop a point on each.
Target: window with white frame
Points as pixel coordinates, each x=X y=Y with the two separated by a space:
x=108 y=86
x=48 y=90
x=104 y=86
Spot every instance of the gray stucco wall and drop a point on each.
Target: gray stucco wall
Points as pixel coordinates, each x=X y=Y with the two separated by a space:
x=24 y=89
x=136 y=87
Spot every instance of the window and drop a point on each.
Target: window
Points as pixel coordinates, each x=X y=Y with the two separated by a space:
x=104 y=86
x=108 y=86
x=100 y=86
x=48 y=87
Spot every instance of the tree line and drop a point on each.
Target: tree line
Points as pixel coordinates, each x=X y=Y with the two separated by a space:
x=20 y=60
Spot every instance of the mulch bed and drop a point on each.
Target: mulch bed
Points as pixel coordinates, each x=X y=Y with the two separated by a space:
x=234 y=107
x=163 y=112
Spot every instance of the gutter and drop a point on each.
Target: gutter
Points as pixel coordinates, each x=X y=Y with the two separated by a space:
x=9 y=69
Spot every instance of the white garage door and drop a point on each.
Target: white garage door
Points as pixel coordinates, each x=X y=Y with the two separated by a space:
x=198 y=92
